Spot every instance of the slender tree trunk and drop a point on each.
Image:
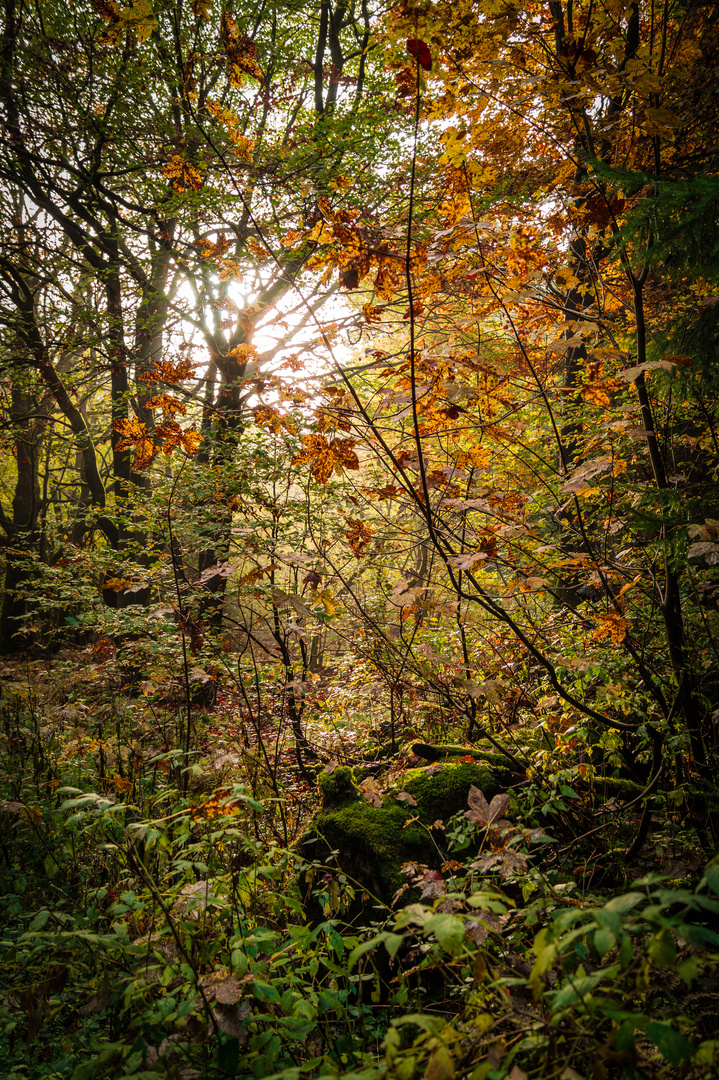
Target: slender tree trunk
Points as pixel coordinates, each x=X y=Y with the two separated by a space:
x=25 y=511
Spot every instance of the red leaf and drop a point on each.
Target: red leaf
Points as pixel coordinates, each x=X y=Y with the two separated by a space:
x=421 y=52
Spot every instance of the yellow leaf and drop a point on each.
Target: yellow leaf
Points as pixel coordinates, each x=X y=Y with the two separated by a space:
x=327 y=601
x=358 y=536
x=182 y=175
x=594 y=395
x=612 y=627
x=440 y=1065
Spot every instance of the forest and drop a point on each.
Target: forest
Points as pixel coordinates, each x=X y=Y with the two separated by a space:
x=359 y=539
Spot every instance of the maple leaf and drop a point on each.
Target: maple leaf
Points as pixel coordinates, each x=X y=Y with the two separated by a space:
x=182 y=175
x=482 y=812
x=329 y=421
x=371 y=314
x=202 y=9
x=240 y=51
x=468 y=560
x=137 y=16
x=508 y=862
x=433 y=886
x=420 y=51
x=222 y=987
x=267 y=416
x=195 y=629
x=358 y=536
x=596 y=396
x=191 y=440
x=215 y=249
x=371 y=792
x=349 y=277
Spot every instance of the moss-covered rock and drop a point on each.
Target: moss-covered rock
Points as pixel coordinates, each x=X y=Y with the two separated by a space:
x=484 y=754
x=337 y=787
x=441 y=794
x=372 y=843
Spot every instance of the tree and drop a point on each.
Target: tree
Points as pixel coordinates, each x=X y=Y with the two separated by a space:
x=548 y=312
x=171 y=185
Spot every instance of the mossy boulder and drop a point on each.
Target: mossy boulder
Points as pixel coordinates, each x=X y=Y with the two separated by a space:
x=441 y=794
x=372 y=842
x=484 y=753
x=337 y=787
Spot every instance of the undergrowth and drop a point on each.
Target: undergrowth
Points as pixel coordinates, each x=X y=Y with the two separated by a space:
x=154 y=924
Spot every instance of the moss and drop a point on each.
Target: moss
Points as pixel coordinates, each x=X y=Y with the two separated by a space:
x=482 y=753
x=370 y=844
x=337 y=787
x=444 y=793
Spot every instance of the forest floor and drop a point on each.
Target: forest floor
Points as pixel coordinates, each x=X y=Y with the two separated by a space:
x=160 y=917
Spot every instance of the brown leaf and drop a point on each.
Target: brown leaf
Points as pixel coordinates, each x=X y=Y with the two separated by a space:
x=358 y=536
x=371 y=792
x=222 y=987
x=98 y=1002
x=433 y=886
x=483 y=813
x=349 y=277
x=229 y=1020
x=405 y=797
x=475 y=931
x=478 y=804
x=325 y=457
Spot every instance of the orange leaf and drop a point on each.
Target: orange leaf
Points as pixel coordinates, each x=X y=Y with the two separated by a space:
x=358 y=536
x=182 y=175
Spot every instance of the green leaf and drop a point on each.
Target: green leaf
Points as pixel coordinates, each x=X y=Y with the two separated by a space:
x=39 y=921
x=625 y=1037
x=448 y=929
x=265 y=992
x=604 y=940
x=670 y=1043
x=626 y=951
x=365 y=947
x=625 y=902
x=711 y=875
x=689 y=969
x=239 y=962
x=576 y=987
x=392 y=943
x=228 y=1054
x=662 y=949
